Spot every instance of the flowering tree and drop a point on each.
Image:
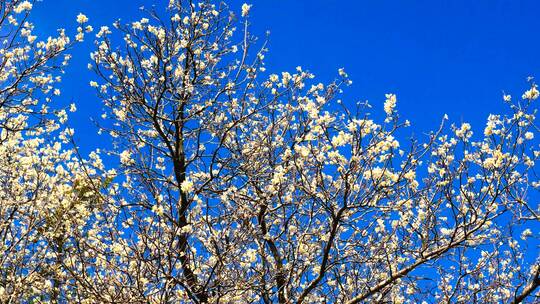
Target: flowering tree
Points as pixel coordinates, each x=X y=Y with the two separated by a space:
x=45 y=187
x=240 y=186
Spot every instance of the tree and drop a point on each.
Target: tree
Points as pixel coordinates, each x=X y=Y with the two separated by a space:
x=44 y=185
x=236 y=185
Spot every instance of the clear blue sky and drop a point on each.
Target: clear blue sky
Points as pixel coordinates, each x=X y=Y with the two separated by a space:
x=439 y=57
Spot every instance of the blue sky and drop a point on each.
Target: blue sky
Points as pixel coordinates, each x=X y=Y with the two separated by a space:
x=453 y=57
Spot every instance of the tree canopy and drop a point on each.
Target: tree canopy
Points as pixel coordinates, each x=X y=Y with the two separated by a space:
x=239 y=184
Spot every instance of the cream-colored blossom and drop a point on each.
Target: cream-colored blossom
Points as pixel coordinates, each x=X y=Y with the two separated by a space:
x=390 y=103
x=187 y=186
x=245 y=9
x=81 y=18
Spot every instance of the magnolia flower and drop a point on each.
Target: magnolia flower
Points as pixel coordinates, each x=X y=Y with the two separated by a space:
x=274 y=78
x=81 y=18
x=125 y=157
x=158 y=209
x=23 y=6
x=390 y=103
x=186 y=186
x=526 y=233
x=79 y=37
x=341 y=139
x=531 y=94
x=245 y=9
x=464 y=131
x=446 y=231
x=48 y=284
